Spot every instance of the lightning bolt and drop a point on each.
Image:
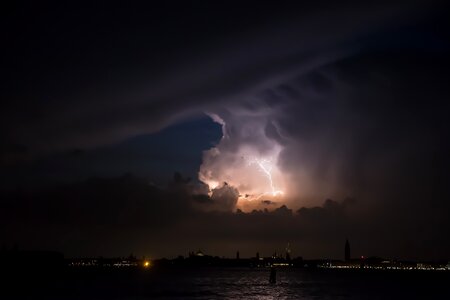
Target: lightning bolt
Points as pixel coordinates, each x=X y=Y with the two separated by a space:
x=266 y=167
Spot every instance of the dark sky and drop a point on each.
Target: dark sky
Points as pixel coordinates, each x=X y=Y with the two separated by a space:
x=103 y=103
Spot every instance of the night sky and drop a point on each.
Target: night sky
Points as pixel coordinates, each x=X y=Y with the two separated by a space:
x=225 y=126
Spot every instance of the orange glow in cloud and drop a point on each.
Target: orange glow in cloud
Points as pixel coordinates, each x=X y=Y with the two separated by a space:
x=257 y=177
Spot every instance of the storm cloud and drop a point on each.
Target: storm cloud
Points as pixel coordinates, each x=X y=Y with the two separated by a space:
x=125 y=215
x=229 y=70
x=345 y=101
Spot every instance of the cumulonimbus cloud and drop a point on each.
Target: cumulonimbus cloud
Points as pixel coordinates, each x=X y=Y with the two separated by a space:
x=230 y=71
x=333 y=114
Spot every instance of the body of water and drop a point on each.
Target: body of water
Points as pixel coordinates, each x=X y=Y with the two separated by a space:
x=228 y=283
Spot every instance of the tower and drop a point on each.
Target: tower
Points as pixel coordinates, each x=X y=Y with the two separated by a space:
x=347 y=250
x=288 y=251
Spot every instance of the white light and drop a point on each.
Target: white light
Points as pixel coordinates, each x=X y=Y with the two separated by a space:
x=266 y=167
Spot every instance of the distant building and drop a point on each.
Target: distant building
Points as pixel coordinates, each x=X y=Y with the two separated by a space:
x=347 y=250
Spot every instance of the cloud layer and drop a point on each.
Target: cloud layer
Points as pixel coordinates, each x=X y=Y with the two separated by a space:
x=118 y=216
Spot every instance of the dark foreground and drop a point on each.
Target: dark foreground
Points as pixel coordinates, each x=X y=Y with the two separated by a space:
x=224 y=283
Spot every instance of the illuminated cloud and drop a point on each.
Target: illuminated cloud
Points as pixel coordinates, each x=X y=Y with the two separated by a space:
x=224 y=197
x=246 y=159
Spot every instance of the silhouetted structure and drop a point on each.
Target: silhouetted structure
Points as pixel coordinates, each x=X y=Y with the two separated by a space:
x=288 y=252
x=347 y=250
x=273 y=275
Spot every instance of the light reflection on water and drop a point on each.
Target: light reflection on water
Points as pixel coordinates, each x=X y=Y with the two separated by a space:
x=231 y=283
x=295 y=284
x=247 y=284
